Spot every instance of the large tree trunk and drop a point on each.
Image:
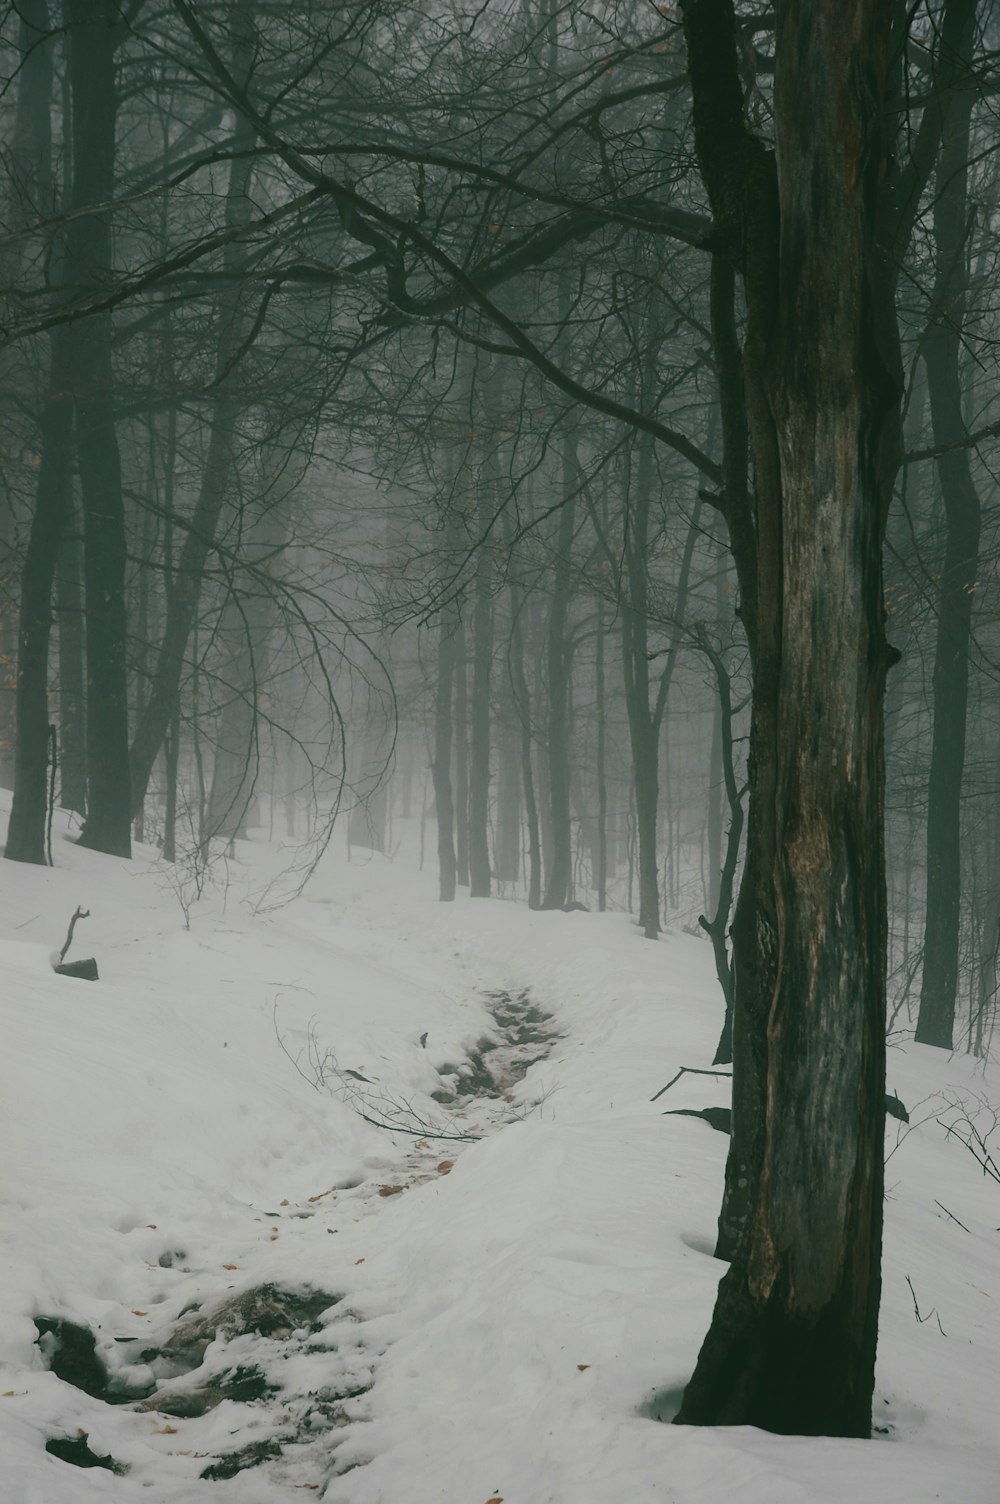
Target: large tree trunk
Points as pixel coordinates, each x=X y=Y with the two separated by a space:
x=942 y=356
x=792 y=1343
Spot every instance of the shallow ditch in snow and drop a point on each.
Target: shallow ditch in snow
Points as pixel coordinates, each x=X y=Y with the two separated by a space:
x=233 y=1350
x=523 y=1038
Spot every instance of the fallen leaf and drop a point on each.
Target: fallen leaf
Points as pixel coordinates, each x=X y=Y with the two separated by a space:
x=275 y=1235
x=10 y=1393
x=230 y=1266
x=445 y=1167
x=151 y=1225
x=422 y=1144
x=305 y=1485
x=359 y=1261
x=165 y=1431
x=140 y=1313
x=496 y=1499
x=285 y=1203
x=390 y=1190
x=333 y=1229
x=582 y=1366
x=330 y=1192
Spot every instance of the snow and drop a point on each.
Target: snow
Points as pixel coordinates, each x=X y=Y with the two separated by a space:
x=516 y=1326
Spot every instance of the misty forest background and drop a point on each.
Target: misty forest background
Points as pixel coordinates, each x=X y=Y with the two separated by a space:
x=374 y=447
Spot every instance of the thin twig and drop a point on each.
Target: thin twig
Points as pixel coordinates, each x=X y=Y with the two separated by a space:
x=80 y=914
x=950 y=1214
x=455 y=1138
x=688 y=1070
x=323 y=1070
x=930 y=1313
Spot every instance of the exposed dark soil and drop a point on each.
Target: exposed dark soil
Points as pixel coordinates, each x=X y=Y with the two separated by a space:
x=76 y=1451
x=72 y=1356
x=238 y=1462
x=288 y=1318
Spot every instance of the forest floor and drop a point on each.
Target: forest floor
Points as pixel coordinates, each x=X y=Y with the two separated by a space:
x=366 y=1197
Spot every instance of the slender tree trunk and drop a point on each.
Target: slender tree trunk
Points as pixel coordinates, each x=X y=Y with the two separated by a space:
x=507 y=846
x=224 y=411
x=479 y=727
x=963 y=512
x=72 y=690
x=559 y=657
x=441 y=766
x=717 y=928
x=26 y=831
x=9 y=585
x=92 y=39
x=643 y=732
x=461 y=760
x=522 y=702
x=28 y=192
x=24 y=726
x=236 y=763
x=171 y=758
x=600 y=770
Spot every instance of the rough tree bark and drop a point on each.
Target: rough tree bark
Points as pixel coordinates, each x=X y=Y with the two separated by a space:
x=792 y=1343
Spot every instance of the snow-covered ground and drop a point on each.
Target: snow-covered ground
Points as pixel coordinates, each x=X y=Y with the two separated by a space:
x=517 y=1321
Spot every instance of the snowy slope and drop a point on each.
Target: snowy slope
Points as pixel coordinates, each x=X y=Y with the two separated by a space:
x=514 y=1322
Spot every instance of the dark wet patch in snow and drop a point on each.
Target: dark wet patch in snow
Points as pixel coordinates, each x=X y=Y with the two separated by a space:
x=76 y=1451
x=233 y=1352
x=523 y=1038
